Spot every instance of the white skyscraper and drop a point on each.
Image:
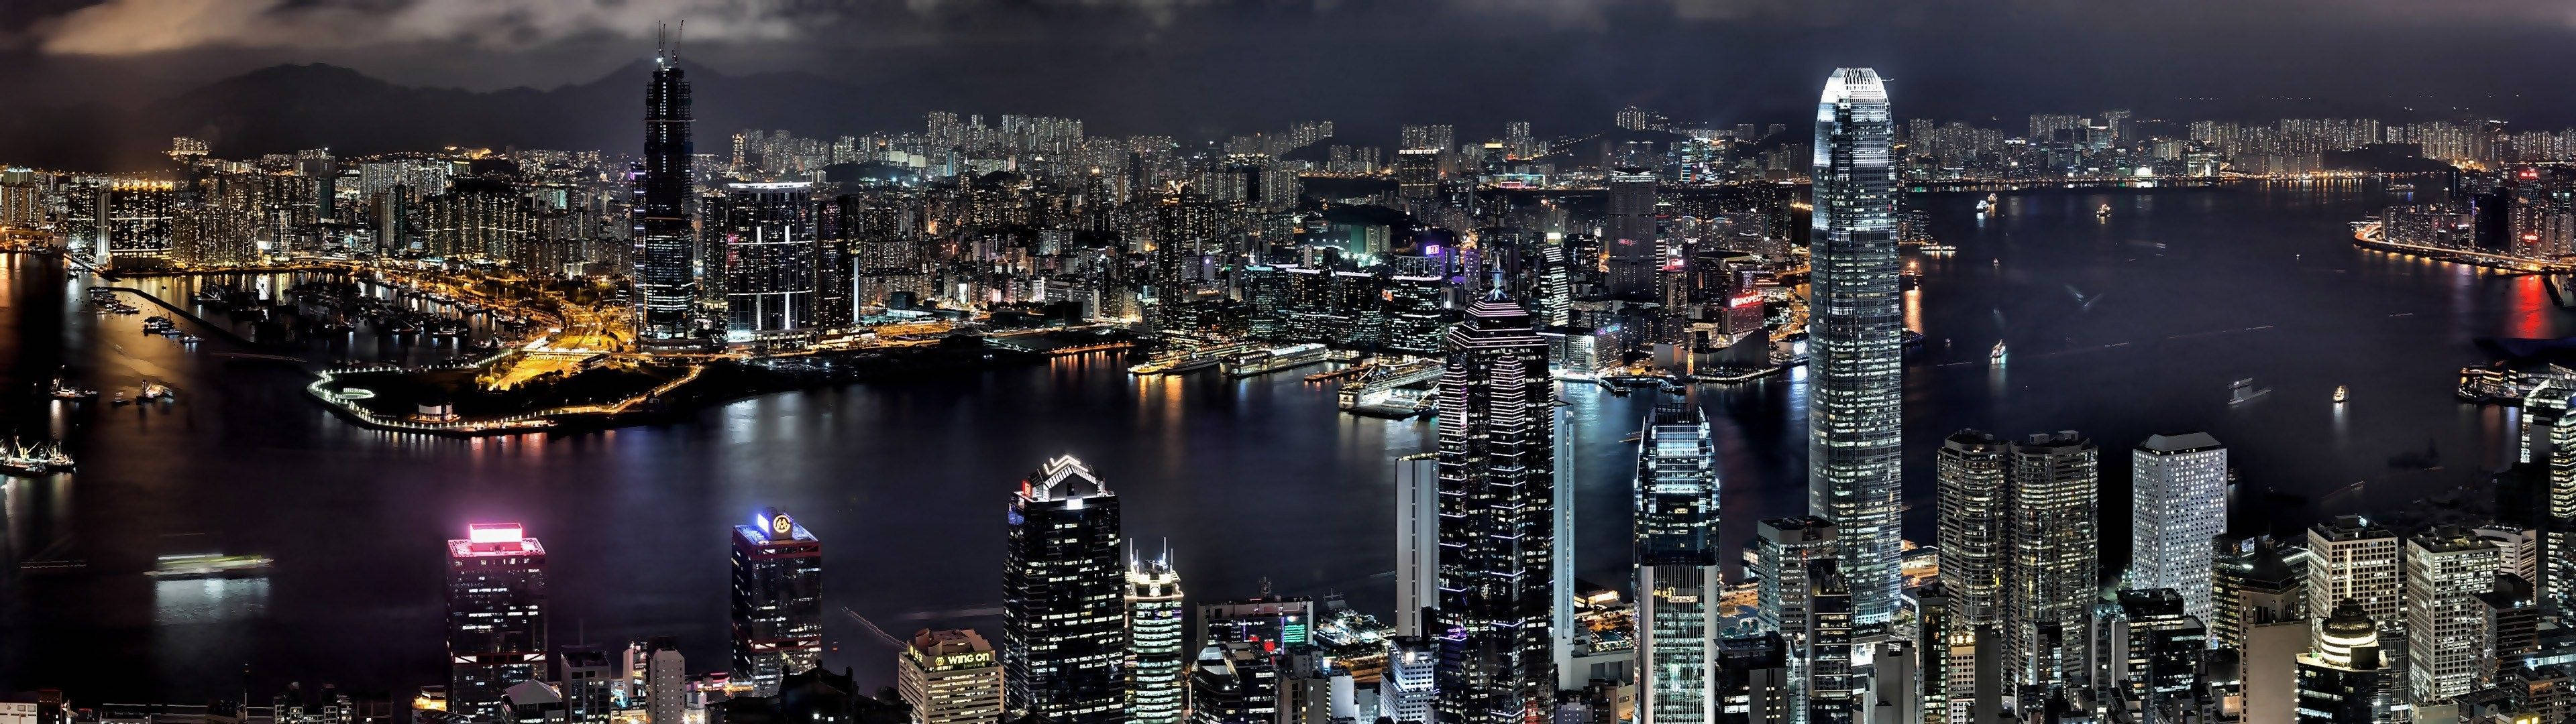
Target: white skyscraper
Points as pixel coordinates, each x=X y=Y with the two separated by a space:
x=2351 y=558
x=1855 y=340
x=2446 y=568
x=2180 y=504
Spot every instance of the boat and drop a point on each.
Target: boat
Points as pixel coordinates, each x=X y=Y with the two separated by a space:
x=120 y=398
x=2341 y=394
x=158 y=391
x=208 y=565
x=2244 y=391
x=41 y=458
x=1997 y=356
x=1983 y=206
x=1993 y=201
x=189 y=339
x=2102 y=213
x=2401 y=186
x=62 y=389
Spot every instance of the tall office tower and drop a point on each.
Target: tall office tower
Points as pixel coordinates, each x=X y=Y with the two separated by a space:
x=1752 y=679
x=1556 y=282
x=1855 y=420
x=950 y=677
x=1407 y=690
x=1064 y=624
x=1497 y=533
x=2550 y=439
x=2351 y=558
x=1677 y=566
x=496 y=616
x=2155 y=646
x=666 y=281
x=1969 y=469
x=1832 y=695
x=2180 y=504
x=1629 y=234
x=2446 y=568
x=765 y=235
x=2053 y=563
x=1234 y=682
x=2344 y=679
x=777 y=600
x=1782 y=549
x=589 y=676
x=1157 y=643
x=1417 y=541
x=2254 y=582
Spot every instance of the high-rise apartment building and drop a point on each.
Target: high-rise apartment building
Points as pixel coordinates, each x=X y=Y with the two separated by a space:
x=2180 y=503
x=1855 y=341
x=950 y=677
x=496 y=616
x=777 y=600
x=1677 y=581
x=1064 y=617
x=1498 y=524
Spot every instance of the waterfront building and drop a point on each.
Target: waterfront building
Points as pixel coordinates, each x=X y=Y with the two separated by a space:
x=2353 y=559
x=1417 y=541
x=1275 y=621
x=1855 y=341
x=2179 y=504
x=1498 y=539
x=477 y=218
x=777 y=600
x=950 y=677
x=1677 y=579
x=496 y=616
x=2447 y=567
x=2344 y=679
x=2053 y=564
x=665 y=255
x=1971 y=494
x=1630 y=236
x=1063 y=613
x=1156 y=681
x=135 y=221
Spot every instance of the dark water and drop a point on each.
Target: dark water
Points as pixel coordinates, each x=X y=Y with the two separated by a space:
x=1250 y=481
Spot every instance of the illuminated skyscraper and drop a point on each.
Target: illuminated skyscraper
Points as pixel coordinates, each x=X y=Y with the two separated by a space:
x=1833 y=696
x=1157 y=643
x=766 y=234
x=2446 y=633
x=2353 y=559
x=496 y=616
x=134 y=222
x=2344 y=680
x=950 y=677
x=1630 y=236
x=1498 y=524
x=1972 y=496
x=1677 y=567
x=2054 y=559
x=1064 y=616
x=2180 y=503
x=777 y=600
x=665 y=259
x=1417 y=541
x=1855 y=343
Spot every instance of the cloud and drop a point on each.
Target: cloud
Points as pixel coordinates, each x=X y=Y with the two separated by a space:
x=129 y=27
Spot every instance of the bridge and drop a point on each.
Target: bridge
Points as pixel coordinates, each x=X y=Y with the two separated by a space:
x=1390 y=389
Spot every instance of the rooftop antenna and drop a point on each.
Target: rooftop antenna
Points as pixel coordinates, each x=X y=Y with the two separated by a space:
x=662 y=43
x=678 y=31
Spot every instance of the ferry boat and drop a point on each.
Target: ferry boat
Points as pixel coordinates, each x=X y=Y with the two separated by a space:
x=1259 y=361
x=2341 y=394
x=208 y=565
x=1996 y=356
x=158 y=391
x=2103 y=213
x=2244 y=391
x=62 y=389
x=2401 y=186
x=1983 y=206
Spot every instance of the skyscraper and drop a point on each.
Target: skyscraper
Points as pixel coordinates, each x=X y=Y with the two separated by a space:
x=950 y=677
x=2344 y=680
x=1417 y=541
x=1063 y=610
x=777 y=600
x=1234 y=682
x=2054 y=559
x=2180 y=495
x=1497 y=534
x=1630 y=235
x=1677 y=566
x=1157 y=642
x=665 y=263
x=1832 y=697
x=496 y=616
x=1972 y=497
x=1783 y=548
x=766 y=235
x=2351 y=558
x=1855 y=342
x=2446 y=635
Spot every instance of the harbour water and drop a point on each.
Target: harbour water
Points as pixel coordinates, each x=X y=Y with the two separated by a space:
x=2119 y=326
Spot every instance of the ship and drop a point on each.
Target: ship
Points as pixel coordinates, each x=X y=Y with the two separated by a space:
x=2102 y=213
x=1997 y=356
x=2401 y=186
x=157 y=391
x=1983 y=206
x=62 y=389
x=41 y=458
x=2244 y=391
x=208 y=565
x=2341 y=394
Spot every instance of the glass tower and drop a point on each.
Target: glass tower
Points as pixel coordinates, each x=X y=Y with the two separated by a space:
x=665 y=273
x=496 y=616
x=1064 y=614
x=1497 y=529
x=1855 y=328
x=777 y=600
x=1677 y=566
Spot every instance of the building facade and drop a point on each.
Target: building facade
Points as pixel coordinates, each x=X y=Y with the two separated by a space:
x=777 y=600
x=1677 y=576
x=2179 y=504
x=1064 y=617
x=1498 y=526
x=496 y=616
x=950 y=677
x=1855 y=341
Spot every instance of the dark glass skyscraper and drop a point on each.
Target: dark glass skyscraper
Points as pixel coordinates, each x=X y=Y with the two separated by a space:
x=1855 y=330
x=1677 y=566
x=496 y=616
x=765 y=233
x=665 y=265
x=1064 y=612
x=1497 y=531
x=1630 y=235
x=777 y=600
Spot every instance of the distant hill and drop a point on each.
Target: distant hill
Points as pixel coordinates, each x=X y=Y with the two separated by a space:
x=284 y=108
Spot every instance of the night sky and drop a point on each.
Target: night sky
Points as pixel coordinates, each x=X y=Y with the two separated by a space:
x=1198 y=68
